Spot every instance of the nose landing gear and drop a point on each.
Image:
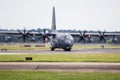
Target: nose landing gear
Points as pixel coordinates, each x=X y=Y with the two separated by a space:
x=67 y=49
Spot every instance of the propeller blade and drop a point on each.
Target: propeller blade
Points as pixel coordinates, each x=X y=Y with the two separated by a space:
x=81 y=39
x=84 y=33
x=20 y=31
x=44 y=35
x=48 y=38
x=100 y=32
x=104 y=33
x=80 y=33
x=102 y=38
x=44 y=31
x=28 y=33
x=40 y=33
x=82 y=36
x=44 y=39
x=20 y=36
x=24 y=31
x=24 y=38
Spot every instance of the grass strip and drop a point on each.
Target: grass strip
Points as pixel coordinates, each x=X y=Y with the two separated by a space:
x=44 y=75
x=61 y=57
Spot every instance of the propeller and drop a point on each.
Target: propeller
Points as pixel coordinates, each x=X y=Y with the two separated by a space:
x=82 y=36
x=24 y=34
x=44 y=35
x=101 y=36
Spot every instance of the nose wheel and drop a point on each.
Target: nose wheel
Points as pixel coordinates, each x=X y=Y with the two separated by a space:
x=67 y=49
x=52 y=48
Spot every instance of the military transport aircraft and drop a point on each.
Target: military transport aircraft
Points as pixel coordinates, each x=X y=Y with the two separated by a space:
x=61 y=40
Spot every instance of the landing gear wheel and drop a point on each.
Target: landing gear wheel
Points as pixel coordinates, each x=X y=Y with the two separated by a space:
x=67 y=49
x=52 y=49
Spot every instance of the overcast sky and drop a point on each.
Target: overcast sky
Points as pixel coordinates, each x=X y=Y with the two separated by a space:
x=70 y=14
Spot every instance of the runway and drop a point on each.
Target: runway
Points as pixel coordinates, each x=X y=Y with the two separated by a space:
x=60 y=51
x=62 y=66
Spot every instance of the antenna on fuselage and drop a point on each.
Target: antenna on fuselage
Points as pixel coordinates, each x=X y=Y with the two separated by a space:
x=53 y=20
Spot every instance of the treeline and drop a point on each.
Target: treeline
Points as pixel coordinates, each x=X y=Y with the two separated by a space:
x=61 y=30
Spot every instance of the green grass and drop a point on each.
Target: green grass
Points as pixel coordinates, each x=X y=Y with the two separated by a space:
x=62 y=57
x=43 y=75
x=94 y=46
x=21 y=47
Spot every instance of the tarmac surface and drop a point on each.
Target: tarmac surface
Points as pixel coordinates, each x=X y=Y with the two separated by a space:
x=60 y=51
x=62 y=66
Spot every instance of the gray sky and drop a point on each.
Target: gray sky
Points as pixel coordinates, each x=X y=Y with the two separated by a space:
x=70 y=14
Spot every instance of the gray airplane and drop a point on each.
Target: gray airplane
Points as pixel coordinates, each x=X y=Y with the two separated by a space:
x=65 y=41
x=60 y=40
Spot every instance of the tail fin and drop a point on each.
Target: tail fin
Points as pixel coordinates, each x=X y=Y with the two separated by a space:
x=53 y=20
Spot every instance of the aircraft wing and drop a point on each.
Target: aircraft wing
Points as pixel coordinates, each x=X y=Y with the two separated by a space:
x=53 y=34
x=20 y=33
x=10 y=32
x=95 y=34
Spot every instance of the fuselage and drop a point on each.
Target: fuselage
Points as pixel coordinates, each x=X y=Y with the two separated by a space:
x=62 y=40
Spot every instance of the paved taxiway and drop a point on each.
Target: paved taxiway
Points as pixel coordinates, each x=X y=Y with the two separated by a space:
x=99 y=50
x=61 y=66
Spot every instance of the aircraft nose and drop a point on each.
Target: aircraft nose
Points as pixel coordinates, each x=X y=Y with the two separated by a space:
x=68 y=43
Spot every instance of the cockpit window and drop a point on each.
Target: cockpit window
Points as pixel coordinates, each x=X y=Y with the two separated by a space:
x=64 y=37
x=67 y=37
